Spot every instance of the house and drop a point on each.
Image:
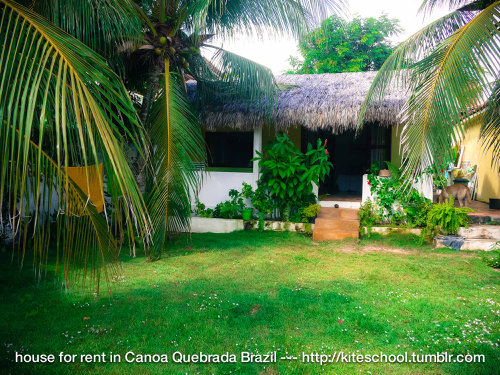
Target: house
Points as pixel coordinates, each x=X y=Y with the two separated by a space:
x=324 y=106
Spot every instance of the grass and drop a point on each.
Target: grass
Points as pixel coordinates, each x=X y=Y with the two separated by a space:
x=261 y=292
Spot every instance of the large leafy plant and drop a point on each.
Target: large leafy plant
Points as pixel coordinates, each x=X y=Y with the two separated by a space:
x=445 y=218
x=288 y=174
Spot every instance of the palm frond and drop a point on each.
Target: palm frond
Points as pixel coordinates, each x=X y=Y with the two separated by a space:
x=55 y=212
x=444 y=94
x=178 y=144
x=397 y=69
x=59 y=94
x=428 y=6
x=490 y=129
x=228 y=18
x=99 y=24
x=228 y=76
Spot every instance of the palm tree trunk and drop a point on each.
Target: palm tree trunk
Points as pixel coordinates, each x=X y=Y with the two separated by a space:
x=140 y=165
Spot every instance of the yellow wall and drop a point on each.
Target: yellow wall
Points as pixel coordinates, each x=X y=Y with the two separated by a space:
x=488 y=176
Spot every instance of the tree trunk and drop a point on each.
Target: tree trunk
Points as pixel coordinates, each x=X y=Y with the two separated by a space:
x=140 y=165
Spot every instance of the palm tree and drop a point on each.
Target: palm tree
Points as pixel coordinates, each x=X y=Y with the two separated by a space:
x=61 y=105
x=169 y=54
x=452 y=69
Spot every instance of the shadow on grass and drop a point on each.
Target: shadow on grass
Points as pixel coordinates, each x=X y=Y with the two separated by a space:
x=239 y=239
x=244 y=240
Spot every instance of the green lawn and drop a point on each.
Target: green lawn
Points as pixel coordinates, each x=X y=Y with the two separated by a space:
x=262 y=292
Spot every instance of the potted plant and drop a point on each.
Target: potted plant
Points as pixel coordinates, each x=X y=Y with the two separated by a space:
x=260 y=200
x=246 y=214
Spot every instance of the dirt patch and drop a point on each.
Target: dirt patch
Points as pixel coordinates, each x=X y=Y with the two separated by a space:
x=398 y=250
x=348 y=249
x=384 y=249
x=255 y=309
x=269 y=371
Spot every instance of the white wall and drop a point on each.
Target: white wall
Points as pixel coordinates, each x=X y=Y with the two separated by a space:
x=424 y=187
x=216 y=186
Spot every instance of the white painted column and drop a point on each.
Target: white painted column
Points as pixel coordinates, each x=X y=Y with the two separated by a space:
x=257 y=146
x=366 y=190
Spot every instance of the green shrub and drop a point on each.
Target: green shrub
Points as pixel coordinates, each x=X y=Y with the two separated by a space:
x=287 y=174
x=368 y=216
x=260 y=199
x=202 y=211
x=309 y=213
x=230 y=209
x=416 y=208
x=398 y=204
x=445 y=218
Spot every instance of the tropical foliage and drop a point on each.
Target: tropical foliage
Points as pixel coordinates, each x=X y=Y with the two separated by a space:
x=393 y=201
x=340 y=46
x=447 y=219
x=451 y=68
x=67 y=69
x=61 y=105
x=287 y=174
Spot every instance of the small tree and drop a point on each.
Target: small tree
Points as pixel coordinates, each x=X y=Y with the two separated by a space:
x=339 y=46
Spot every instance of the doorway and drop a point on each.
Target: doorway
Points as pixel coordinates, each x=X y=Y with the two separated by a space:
x=352 y=156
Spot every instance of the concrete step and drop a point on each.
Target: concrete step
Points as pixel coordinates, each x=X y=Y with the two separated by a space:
x=333 y=234
x=491 y=232
x=338 y=213
x=470 y=244
x=341 y=204
x=339 y=224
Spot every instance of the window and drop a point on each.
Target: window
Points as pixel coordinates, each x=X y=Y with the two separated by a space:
x=229 y=149
x=380 y=145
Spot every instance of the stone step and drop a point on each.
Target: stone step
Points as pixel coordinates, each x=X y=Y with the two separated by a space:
x=491 y=232
x=333 y=234
x=338 y=213
x=341 y=204
x=339 y=224
x=470 y=244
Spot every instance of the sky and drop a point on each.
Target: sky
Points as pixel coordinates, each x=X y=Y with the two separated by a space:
x=274 y=52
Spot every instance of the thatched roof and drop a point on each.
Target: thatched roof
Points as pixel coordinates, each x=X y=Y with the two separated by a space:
x=315 y=101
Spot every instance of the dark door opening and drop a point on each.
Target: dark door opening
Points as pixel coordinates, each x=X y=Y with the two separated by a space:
x=351 y=155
